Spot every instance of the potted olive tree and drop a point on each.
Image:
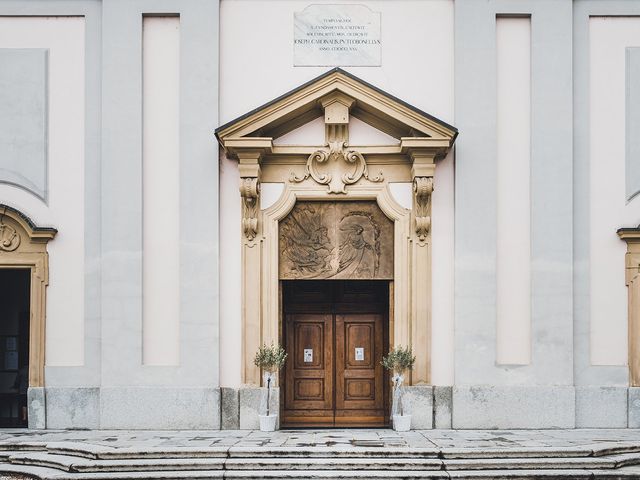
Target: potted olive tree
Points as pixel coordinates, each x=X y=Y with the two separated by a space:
x=398 y=361
x=270 y=360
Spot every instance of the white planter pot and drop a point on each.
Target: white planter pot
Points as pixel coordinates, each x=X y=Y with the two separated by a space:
x=268 y=423
x=402 y=423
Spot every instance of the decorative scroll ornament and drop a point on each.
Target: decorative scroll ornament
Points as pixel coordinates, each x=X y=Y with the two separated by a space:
x=9 y=238
x=249 y=190
x=422 y=189
x=343 y=167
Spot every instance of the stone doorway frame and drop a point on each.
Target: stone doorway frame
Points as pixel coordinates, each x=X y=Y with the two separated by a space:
x=337 y=171
x=632 y=279
x=27 y=249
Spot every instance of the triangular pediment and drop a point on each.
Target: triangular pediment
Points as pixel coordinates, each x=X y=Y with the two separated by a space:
x=367 y=103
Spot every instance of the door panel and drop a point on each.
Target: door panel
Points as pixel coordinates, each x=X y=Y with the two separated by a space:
x=309 y=372
x=359 y=374
x=335 y=333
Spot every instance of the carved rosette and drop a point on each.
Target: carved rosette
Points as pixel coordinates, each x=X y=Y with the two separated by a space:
x=9 y=238
x=422 y=190
x=343 y=167
x=249 y=190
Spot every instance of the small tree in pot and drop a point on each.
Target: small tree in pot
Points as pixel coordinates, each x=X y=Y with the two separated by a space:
x=398 y=361
x=270 y=360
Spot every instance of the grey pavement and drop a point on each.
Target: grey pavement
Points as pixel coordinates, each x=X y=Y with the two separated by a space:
x=342 y=438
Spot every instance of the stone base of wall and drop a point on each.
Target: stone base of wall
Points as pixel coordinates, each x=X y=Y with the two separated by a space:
x=241 y=407
x=506 y=407
x=127 y=408
x=460 y=407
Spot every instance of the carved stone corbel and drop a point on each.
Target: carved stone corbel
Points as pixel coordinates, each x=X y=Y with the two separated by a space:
x=422 y=190
x=250 y=191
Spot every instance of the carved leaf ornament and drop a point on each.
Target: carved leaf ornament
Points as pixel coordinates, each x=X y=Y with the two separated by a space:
x=343 y=167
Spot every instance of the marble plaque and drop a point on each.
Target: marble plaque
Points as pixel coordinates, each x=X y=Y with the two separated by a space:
x=336 y=240
x=337 y=35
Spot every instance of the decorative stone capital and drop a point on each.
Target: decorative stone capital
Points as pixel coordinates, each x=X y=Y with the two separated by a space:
x=422 y=190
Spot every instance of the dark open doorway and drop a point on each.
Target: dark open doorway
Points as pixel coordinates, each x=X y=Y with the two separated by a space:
x=15 y=289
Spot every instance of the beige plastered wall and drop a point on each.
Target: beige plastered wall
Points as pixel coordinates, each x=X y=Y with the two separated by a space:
x=426 y=83
x=64 y=37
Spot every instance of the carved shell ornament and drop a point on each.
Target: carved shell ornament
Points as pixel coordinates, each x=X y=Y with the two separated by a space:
x=336 y=167
x=9 y=238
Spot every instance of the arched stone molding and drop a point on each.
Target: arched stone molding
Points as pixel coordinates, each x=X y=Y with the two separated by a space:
x=632 y=279
x=24 y=245
x=337 y=171
x=269 y=283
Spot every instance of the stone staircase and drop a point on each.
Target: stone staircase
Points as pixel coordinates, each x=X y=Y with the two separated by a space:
x=85 y=461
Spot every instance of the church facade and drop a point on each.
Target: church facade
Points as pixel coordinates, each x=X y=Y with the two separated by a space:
x=182 y=182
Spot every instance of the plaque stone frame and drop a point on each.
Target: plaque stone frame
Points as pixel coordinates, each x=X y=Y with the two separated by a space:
x=346 y=35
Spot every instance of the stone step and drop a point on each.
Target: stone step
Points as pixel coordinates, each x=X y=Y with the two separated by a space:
x=76 y=464
x=73 y=464
x=340 y=464
x=332 y=452
x=42 y=473
x=80 y=461
x=93 y=451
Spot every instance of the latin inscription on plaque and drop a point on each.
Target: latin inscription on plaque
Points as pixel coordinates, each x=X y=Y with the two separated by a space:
x=336 y=240
x=337 y=35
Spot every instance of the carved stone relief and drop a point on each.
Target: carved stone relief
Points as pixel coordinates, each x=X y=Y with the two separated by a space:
x=422 y=189
x=249 y=190
x=9 y=238
x=336 y=167
x=336 y=240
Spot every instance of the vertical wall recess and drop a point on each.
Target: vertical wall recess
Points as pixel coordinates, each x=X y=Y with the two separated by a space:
x=161 y=194
x=633 y=123
x=513 y=57
x=23 y=119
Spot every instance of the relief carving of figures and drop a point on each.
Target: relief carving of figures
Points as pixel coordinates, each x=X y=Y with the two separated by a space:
x=9 y=238
x=336 y=240
x=357 y=257
x=305 y=243
x=343 y=167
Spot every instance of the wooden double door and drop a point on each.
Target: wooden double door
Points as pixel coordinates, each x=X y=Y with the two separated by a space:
x=336 y=333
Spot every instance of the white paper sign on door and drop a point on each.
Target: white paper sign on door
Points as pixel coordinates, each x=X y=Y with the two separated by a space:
x=308 y=355
x=359 y=354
